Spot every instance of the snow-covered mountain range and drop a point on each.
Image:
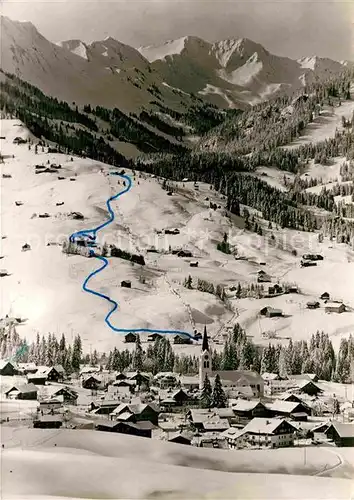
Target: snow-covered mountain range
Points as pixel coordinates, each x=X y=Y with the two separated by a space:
x=228 y=73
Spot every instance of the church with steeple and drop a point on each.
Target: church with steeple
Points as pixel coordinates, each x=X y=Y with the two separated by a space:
x=204 y=361
x=247 y=382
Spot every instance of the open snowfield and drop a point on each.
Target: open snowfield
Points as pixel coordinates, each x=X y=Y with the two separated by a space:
x=92 y=464
x=325 y=125
x=44 y=285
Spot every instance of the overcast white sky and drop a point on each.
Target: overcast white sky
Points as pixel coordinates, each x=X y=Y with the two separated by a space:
x=294 y=28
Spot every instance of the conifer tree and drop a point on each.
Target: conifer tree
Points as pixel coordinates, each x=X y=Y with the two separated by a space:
x=218 y=399
x=206 y=395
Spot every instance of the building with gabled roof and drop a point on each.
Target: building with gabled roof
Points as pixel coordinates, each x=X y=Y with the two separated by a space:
x=22 y=391
x=262 y=433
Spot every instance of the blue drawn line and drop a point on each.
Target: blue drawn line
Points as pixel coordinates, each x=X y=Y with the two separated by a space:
x=91 y=234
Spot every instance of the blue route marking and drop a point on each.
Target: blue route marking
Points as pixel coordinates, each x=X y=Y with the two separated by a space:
x=91 y=234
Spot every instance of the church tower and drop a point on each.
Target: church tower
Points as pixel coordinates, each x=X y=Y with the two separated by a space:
x=204 y=361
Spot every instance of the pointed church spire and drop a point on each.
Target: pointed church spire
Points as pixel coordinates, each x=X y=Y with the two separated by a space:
x=205 y=345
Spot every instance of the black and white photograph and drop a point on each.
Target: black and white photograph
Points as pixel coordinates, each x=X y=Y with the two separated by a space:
x=177 y=250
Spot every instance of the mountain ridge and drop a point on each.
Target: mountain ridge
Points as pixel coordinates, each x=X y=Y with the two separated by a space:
x=234 y=73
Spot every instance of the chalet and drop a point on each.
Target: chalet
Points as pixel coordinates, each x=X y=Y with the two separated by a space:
x=263 y=277
x=36 y=379
x=121 y=376
x=3 y=273
x=313 y=304
x=341 y=434
x=124 y=386
x=48 y=422
x=175 y=398
x=307 y=263
x=130 y=338
x=140 y=379
x=270 y=312
x=44 y=215
x=26 y=247
x=8 y=368
x=309 y=387
x=172 y=231
x=136 y=413
x=166 y=380
x=262 y=433
x=104 y=407
x=184 y=253
x=54 y=373
x=91 y=382
x=335 y=307
x=189 y=382
x=141 y=429
x=181 y=437
x=207 y=420
x=18 y=203
x=51 y=404
x=22 y=391
x=126 y=284
x=19 y=140
x=250 y=409
x=281 y=408
x=325 y=296
x=181 y=339
x=194 y=263
x=76 y=216
x=69 y=396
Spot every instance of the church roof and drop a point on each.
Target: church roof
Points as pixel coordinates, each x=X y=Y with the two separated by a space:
x=205 y=344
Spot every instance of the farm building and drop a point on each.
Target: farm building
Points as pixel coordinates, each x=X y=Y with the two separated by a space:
x=7 y=368
x=126 y=284
x=263 y=277
x=54 y=373
x=250 y=409
x=22 y=391
x=142 y=429
x=36 y=379
x=48 y=422
x=136 y=413
x=91 y=382
x=270 y=312
x=130 y=338
x=334 y=307
x=173 y=398
x=154 y=336
x=313 y=304
x=325 y=296
x=341 y=434
x=194 y=264
x=184 y=253
x=181 y=339
x=181 y=437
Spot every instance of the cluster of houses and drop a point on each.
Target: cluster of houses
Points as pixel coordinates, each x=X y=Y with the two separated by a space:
x=329 y=306
x=130 y=338
x=263 y=411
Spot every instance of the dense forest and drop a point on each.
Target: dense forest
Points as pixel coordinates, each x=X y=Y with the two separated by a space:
x=239 y=352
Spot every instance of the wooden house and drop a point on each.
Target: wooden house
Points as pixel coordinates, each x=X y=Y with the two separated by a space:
x=141 y=429
x=130 y=338
x=313 y=304
x=8 y=368
x=22 y=391
x=48 y=422
x=91 y=382
x=126 y=284
x=335 y=307
x=181 y=437
x=181 y=339
x=341 y=434
x=325 y=296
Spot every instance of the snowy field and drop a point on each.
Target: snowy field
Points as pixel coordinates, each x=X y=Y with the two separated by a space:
x=325 y=125
x=92 y=464
x=44 y=285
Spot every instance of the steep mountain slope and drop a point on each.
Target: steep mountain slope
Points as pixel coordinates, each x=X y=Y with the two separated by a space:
x=108 y=53
x=229 y=73
x=235 y=71
x=74 y=72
